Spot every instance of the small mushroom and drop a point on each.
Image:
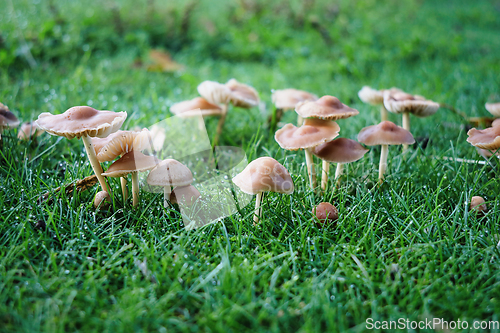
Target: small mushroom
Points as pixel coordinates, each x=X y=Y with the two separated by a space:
x=326 y=213
x=29 y=130
x=264 y=174
x=7 y=119
x=169 y=173
x=478 y=205
x=493 y=108
x=488 y=138
x=184 y=195
x=375 y=97
x=102 y=199
x=495 y=122
x=195 y=107
x=242 y=95
x=287 y=99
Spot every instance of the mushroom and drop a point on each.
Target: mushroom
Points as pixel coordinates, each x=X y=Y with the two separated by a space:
x=132 y=163
x=7 y=119
x=242 y=95
x=195 y=107
x=338 y=151
x=287 y=99
x=264 y=174
x=493 y=108
x=169 y=173
x=184 y=195
x=375 y=97
x=495 y=122
x=478 y=204
x=386 y=133
x=488 y=138
x=326 y=213
x=29 y=130
x=102 y=199
x=312 y=133
x=84 y=122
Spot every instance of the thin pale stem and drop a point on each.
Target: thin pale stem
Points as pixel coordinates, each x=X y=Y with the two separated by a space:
x=166 y=195
x=406 y=126
x=123 y=182
x=220 y=124
x=300 y=121
x=324 y=176
x=96 y=166
x=383 y=162
x=338 y=172
x=383 y=113
x=258 y=210
x=135 y=189
x=310 y=168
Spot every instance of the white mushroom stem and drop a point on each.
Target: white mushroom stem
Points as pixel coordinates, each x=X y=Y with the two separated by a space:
x=300 y=121
x=123 y=182
x=383 y=113
x=324 y=176
x=166 y=195
x=338 y=172
x=310 y=168
x=135 y=189
x=96 y=166
x=220 y=124
x=383 y=162
x=258 y=208
x=406 y=126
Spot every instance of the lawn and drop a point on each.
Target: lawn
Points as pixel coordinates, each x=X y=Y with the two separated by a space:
x=409 y=248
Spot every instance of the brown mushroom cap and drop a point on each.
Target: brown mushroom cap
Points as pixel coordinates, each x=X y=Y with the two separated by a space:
x=399 y=102
x=385 y=133
x=29 y=130
x=134 y=161
x=119 y=143
x=102 y=199
x=82 y=120
x=7 y=118
x=242 y=95
x=214 y=92
x=312 y=133
x=184 y=195
x=326 y=210
x=488 y=138
x=288 y=99
x=493 y=108
x=327 y=107
x=340 y=150
x=264 y=174
x=194 y=106
x=170 y=172
x=477 y=203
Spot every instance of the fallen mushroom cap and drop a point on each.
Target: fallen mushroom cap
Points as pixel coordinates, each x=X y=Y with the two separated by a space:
x=170 y=172
x=29 y=130
x=340 y=150
x=493 y=108
x=477 y=203
x=327 y=107
x=119 y=143
x=488 y=138
x=264 y=174
x=82 y=120
x=312 y=133
x=134 y=161
x=184 y=195
x=214 y=92
x=399 y=102
x=385 y=133
x=242 y=95
x=7 y=118
x=326 y=210
x=194 y=107
x=289 y=98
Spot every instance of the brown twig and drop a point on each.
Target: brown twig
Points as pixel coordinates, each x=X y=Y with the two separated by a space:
x=79 y=185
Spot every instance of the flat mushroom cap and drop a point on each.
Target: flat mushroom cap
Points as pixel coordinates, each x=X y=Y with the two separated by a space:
x=287 y=99
x=385 y=133
x=340 y=150
x=119 y=143
x=493 y=108
x=29 y=130
x=81 y=121
x=194 y=107
x=264 y=174
x=134 y=161
x=327 y=107
x=399 y=102
x=242 y=95
x=170 y=172
x=7 y=118
x=326 y=210
x=184 y=195
x=312 y=133
x=488 y=138
x=214 y=92
x=371 y=96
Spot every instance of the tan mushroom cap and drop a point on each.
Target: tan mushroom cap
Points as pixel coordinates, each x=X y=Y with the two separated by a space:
x=385 y=133
x=214 y=92
x=399 y=102
x=81 y=121
x=184 y=195
x=493 y=108
x=495 y=122
x=478 y=204
x=134 y=161
x=326 y=210
x=242 y=95
x=194 y=107
x=264 y=174
x=312 y=133
x=327 y=107
x=287 y=99
x=7 y=118
x=488 y=138
x=29 y=130
x=102 y=199
x=119 y=143
x=340 y=150
x=371 y=96
x=170 y=172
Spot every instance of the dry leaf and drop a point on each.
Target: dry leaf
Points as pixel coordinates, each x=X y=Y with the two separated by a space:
x=80 y=185
x=162 y=61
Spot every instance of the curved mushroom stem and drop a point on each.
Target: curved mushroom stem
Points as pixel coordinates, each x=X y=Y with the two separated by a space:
x=383 y=113
x=135 y=189
x=310 y=168
x=338 y=172
x=96 y=166
x=406 y=126
x=220 y=124
x=324 y=176
x=258 y=209
x=383 y=162
x=166 y=195
x=123 y=182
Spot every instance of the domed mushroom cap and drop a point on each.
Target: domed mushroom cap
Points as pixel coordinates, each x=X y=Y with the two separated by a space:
x=493 y=108
x=119 y=143
x=264 y=174
x=495 y=122
x=242 y=95
x=399 y=102
x=29 y=130
x=82 y=120
x=289 y=98
x=134 y=161
x=312 y=133
x=327 y=107
x=214 y=92
x=170 y=172
x=385 y=133
x=371 y=96
x=478 y=204
x=326 y=210
x=340 y=150
x=194 y=107
x=7 y=118
x=102 y=199
x=184 y=195
x=488 y=138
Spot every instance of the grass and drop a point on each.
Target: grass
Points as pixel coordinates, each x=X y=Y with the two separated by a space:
x=408 y=249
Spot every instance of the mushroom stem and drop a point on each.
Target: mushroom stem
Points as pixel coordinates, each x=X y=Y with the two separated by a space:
x=258 y=209
x=406 y=126
x=383 y=113
x=220 y=124
x=123 y=182
x=338 y=172
x=96 y=166
x=135 y=189
x=300 y=121
x=383 y=162
x=324 y=176
x=310 y=168
x=166 y=195
x=201 y=123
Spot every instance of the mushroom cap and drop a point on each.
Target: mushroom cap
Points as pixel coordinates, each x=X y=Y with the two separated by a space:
x=170 y=172
x=399 y=102
x=214 y=92
x=29 y=130
x=327 y=107
x=242 y=95
x=81 y=121
x=477 y=203
x=493 y=108
x=495 y=122
x=7 y=118
x=326 y=210
x=371 y=96
x=264 y=174
x=102 y=199
x=119 y=143
x=133 y=161
x=312 y=133
x=340 y=150
x=194 y=106
x=287 y=99
x=184 y=195
x=385 y=133
x=488 y=138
